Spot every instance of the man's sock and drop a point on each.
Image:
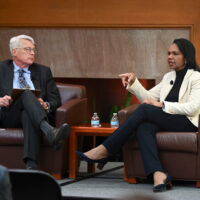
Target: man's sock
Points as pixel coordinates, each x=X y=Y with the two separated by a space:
x=46 y=127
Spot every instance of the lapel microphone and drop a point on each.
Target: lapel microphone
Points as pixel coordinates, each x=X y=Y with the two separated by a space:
x=171 y=82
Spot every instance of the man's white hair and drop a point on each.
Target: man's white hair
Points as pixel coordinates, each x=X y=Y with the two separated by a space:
x=15 y=41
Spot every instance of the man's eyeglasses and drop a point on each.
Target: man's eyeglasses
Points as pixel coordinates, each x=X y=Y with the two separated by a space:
x=29 y=50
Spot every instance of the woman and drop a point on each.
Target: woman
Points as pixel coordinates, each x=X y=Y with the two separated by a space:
x=172 y=105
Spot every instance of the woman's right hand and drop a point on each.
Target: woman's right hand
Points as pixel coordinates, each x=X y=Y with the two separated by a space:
x=127 y=78
x=5 y=101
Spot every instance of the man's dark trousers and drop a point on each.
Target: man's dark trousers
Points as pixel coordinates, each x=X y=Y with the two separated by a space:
x=25 y=112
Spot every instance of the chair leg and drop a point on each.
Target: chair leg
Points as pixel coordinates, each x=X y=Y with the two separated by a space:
x=57 y=176
x=132 y=180
x=198 y=184
x=125 y=177
x=129 y=180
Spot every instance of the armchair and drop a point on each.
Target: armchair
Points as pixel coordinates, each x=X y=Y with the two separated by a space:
x=72 y=111
x=179 y=153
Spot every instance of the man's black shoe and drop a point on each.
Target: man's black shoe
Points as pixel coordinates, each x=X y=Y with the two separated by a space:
x=30 y=164
x=56 y=137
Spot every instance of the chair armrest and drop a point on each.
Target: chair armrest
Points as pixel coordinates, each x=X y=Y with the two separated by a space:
x=124 y=114
x=198 y=150
x=72 y=112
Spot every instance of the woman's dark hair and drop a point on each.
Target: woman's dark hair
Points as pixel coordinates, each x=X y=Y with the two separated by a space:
x=188 y=50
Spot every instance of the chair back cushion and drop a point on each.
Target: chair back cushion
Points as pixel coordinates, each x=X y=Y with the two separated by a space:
x=32 y=185
x=70 y=91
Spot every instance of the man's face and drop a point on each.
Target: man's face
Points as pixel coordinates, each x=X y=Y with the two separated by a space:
x=24 y=55
x=176 y=59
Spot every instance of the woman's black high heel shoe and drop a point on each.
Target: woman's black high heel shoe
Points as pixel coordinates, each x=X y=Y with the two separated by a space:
x=165 y=186
x=101 y=162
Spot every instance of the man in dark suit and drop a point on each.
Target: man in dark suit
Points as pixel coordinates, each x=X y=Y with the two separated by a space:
x=33 y=114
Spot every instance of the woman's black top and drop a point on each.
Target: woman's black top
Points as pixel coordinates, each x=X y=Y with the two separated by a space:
x=174 y=93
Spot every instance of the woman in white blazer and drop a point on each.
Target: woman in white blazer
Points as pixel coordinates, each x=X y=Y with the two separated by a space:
x=172 y=105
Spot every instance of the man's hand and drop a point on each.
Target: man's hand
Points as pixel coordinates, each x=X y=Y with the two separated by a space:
x=43 y=104
x=5 y=101
x=152 y=102
x=127 y=78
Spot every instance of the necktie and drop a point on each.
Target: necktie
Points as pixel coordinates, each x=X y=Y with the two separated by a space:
x=22 y=80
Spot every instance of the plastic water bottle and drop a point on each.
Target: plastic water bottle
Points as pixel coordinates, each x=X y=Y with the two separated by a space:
x=95 y=122
x=114 y=121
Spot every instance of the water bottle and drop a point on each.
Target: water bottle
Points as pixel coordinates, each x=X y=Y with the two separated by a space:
x=95 y=120
x=114 y=121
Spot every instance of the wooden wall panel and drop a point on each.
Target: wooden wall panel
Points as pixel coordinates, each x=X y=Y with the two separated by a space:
x=98 y=12
x=104 y=94
x=104 y=13
x=99 y=53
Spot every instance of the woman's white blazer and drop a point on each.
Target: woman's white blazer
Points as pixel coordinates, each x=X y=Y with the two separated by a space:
x=189 y=94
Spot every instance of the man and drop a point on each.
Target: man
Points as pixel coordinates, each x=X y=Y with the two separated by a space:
x=33 y=114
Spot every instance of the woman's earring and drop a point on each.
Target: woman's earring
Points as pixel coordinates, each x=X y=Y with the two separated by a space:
x=185 y=62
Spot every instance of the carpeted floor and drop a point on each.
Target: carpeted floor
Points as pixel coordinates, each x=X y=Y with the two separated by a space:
x=110 y=185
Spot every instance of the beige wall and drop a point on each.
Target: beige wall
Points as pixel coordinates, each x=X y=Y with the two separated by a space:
x=132 y=14
x=99 y=53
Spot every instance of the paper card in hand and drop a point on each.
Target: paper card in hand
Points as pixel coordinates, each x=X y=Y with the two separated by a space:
x=17 y=92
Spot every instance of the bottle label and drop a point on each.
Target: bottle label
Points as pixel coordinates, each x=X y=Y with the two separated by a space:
x=95 y=122
x=114 y=123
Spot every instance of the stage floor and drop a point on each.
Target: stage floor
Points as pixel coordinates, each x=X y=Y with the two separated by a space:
x=110 y=185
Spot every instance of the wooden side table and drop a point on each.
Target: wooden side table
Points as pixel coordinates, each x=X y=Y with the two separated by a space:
x=85 y=130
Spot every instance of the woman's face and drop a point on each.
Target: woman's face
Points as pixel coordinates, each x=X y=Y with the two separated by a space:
x=176 y=59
